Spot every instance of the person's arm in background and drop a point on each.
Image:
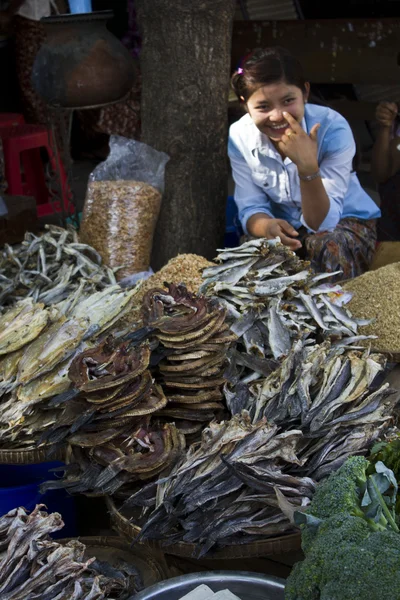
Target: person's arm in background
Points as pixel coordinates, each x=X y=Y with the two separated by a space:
x=7 y=15
x=385 y=155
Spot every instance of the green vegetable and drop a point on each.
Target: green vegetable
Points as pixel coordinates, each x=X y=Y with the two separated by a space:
x=388 y=453
x=340 y=493
x=350 y=491
x=350 y=538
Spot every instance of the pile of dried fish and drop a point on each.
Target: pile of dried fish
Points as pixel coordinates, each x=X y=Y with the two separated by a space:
x=116 y=420
x=193 y=338
x=331 y=394
x=33 y=565
x=271 y=297
x=50 y=267
x=137 y=453
x=41 y=351
x=323 y=404
x=233 y=488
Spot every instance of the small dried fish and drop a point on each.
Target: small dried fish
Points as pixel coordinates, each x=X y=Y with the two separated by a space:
x=277 y=299
x=50 y=267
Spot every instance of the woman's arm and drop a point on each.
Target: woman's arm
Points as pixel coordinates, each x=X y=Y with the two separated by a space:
x=385 y=156
x=249 y=197
x=302 y=149
x=315 y=201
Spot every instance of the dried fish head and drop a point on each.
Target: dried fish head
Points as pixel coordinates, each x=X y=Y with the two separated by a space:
x=175 y=311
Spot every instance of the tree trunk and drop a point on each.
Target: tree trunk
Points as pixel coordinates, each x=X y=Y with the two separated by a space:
x=185 y=63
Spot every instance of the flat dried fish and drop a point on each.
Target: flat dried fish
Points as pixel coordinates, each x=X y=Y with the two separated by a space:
x=22 y=324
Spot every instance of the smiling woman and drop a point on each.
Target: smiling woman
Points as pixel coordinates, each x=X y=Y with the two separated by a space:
x=292 y=166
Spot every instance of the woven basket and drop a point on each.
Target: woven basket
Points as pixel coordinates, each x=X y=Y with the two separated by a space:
x=151 y=565
x=32 y=456
x=269 y=546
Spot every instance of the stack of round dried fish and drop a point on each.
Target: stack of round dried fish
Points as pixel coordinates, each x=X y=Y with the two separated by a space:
x=332 y=395
x=112 y=387
x=50 y=267
x=34 y=566
x=37 y=366
x=106 y=421
x=271 y=296
x=194 y=338
x=137 y=453
x=234 y=488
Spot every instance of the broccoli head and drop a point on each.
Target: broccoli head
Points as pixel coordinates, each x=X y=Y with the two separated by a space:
x=339 y=494
x=351 y=540
x=369 y=570
x=308 y=577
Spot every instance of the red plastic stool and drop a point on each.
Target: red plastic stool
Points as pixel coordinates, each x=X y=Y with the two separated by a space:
x=22 y=144
x=11 y=119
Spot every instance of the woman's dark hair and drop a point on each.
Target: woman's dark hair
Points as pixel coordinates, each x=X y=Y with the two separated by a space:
x=265 y=66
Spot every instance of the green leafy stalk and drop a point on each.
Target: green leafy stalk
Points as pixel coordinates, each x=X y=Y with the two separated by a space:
x=384 y=507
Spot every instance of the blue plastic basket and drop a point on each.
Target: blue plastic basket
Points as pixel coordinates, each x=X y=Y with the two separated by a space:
x=19 y=486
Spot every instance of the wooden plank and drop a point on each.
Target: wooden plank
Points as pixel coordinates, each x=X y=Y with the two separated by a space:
x=331 y=50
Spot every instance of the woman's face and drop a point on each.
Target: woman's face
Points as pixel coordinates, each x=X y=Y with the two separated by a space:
x=267 y=105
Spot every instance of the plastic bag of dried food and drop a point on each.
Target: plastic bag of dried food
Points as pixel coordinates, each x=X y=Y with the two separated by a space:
x=122 y=205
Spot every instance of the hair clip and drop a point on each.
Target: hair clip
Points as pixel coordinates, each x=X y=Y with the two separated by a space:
x=240 y=71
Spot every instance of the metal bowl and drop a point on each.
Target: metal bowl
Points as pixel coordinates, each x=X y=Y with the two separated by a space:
x=248 y=586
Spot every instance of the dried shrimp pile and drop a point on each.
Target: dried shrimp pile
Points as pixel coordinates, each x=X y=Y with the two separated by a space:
x=376 y=296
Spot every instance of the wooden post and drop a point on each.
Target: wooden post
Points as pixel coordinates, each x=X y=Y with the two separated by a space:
x=185 y=72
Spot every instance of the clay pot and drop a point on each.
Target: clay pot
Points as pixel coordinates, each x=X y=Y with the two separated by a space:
x=81 y=63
